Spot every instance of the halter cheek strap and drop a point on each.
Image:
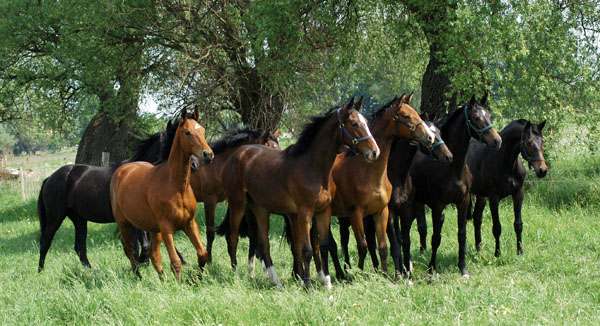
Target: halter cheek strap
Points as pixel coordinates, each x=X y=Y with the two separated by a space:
x=470 y=126
x=526 y=156
x=354 y=140
x=411 y=127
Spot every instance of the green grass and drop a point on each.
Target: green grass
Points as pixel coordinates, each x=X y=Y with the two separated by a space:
x=556 y=281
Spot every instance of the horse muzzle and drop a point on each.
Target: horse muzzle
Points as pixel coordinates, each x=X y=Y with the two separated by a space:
x=206 y=156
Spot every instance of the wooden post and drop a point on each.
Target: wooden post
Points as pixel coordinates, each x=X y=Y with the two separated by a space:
x=105 y=159
x=22 y=175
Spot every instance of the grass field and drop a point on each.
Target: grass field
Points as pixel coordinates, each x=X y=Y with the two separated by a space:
x=556 y=281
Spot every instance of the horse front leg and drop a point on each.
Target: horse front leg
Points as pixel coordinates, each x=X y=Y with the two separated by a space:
x=262 y=221
x=518 y=224
x=496 y=226
x=480 y=203
x=356 y=220
x=167 y=233
x=323 y=221
x=395 y=248
x=344 y=224
x=381 y=222
x=302 y=244
x=191 y=230
x=155 y=257
x=462 y=234
x=210 y=206
x=437 y=217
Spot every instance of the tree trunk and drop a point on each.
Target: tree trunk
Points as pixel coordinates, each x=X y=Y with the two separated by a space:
x=435 y=86
x=111 y=130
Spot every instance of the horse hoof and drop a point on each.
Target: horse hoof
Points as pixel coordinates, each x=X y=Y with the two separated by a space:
x=466 y=275
x=519 y=251
x=409 y=282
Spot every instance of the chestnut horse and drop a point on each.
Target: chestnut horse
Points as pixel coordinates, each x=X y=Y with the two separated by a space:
x=439 y=184
x=363 y=188
x=159 y=199
x=206 y=182
x=398 y=172
x=295 y=182
x=82 y=192
x=498 y=174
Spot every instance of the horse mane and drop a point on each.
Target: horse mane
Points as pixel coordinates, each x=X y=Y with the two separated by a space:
x=308 y=134
x=379 y=112
x=520 y=123
x=235 y=137
x=144 y=146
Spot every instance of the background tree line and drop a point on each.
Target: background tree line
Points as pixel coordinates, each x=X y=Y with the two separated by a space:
x=80 y=69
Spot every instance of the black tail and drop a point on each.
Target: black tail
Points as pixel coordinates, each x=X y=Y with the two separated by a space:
x=42 y=208
x=224 y=227
x=287 y=231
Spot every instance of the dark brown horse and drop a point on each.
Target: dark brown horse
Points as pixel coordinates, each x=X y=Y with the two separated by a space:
x=362 y=188
x=206 y=182
x=295 y=182
x=438 y=184
x=498 y=174
x=81 y=192
x=159 y=199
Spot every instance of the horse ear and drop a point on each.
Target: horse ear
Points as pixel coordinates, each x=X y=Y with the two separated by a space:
x=169 y=125
x=276 y=133
x=425 y=116
x=196 y=113
x=409 y=98
x=527 y=128
x=265 y=135
x=347 y=107
x=472 y=101
x=358 y=104
x=183 y=115
x=484 y=98
x=541 y=125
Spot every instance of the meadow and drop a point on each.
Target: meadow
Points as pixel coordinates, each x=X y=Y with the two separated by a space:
x=555 y=282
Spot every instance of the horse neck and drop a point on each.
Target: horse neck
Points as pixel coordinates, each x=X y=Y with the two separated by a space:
x=384 y=140
x=178 y=165
x=457 y=138
x=401 y=155
x=324 y=149
x=511 y=146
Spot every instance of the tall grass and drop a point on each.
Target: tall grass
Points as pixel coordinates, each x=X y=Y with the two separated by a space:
x=556 y=280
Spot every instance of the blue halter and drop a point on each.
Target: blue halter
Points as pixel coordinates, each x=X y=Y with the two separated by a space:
x=526 y=156
x=470 y=126
x=430 y=148
x=354 y=140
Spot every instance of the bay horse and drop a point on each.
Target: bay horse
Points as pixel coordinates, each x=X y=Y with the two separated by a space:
x=398 y=171
x=81 y=192
x=363 y=188
x=206 y=182
x=159 y=199
x=295 y=182
x=498 y=174
x=438 y=184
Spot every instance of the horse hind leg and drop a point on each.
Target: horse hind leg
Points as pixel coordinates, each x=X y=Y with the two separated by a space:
x=381 y=221
x=209 y=213
x=371 y=243
x=496 y=226
x=518 y=223
x=480 y=203
x=323 y=221
x=80 y=239
x=46 y=237
x=262 y=236
x=126 y=230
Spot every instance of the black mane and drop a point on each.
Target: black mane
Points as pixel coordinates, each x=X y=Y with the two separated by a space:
x=308 y=134
x=235 y=137
x=380 y=112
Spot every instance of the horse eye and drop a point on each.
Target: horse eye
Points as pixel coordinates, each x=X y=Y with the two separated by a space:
x=354 y=124
x=187 y=133
x=477 y=119
x=407 y=117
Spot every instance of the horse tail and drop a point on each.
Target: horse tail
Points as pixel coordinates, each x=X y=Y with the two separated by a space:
x=244 y=230
x=287 y=230
x=42 y=207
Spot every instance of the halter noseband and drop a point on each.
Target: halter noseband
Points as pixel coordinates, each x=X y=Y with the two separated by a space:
x=470 y=126
x=411 y=127
x=526 y=156
x=354 y=140
x=429 y=148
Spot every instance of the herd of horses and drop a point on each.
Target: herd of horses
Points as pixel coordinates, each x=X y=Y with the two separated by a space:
x=375 y=176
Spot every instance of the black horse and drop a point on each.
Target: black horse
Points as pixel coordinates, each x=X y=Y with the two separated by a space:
x=81 y=192
x=439 y=184
x=498 y=174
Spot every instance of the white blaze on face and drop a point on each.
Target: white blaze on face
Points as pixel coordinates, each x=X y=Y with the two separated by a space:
x=197 y=126
x=430 y=132
x=364 y=121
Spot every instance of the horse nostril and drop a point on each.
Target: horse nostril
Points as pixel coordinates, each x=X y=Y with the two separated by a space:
x=448 y=158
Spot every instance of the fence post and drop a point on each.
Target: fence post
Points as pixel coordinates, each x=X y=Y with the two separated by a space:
x=22 y=175
x=105 y=159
